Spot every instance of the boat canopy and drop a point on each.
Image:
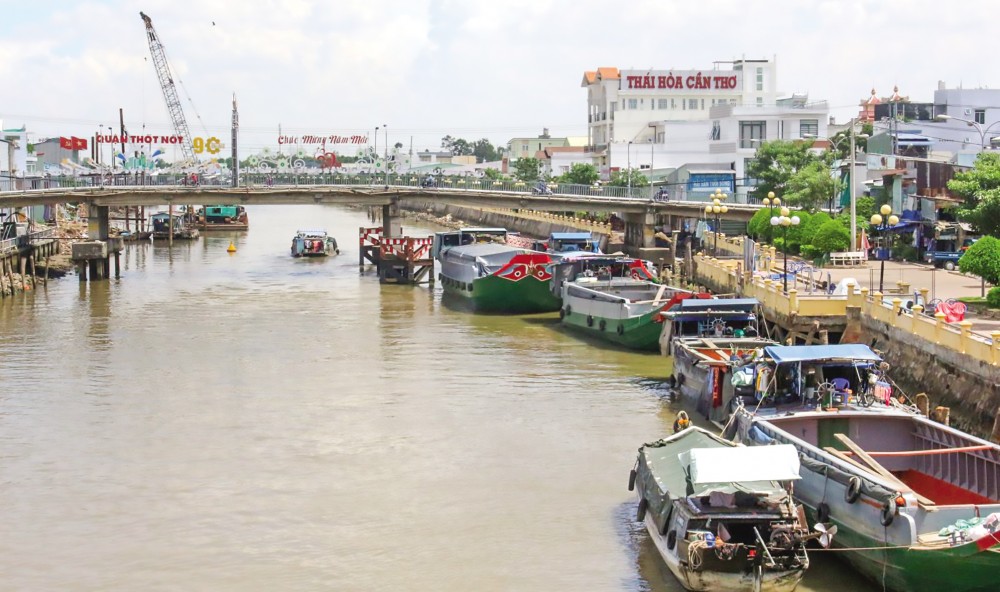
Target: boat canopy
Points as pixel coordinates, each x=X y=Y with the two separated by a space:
x=671 y=479
x=584 y=236
x=311 y=232
x=716 y=305
x=784 y=354
x=742 y=463
x=490 y=253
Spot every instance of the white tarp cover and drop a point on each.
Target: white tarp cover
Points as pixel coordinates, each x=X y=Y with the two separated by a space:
x=779 y=462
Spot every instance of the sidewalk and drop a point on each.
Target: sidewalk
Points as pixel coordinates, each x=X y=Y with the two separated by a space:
x=940 y=283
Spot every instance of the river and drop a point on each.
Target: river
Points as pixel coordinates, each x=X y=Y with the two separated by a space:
x=249 y=421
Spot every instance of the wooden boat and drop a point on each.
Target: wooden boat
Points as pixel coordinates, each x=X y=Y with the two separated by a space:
x=917 y=503
x=182 y=230
x=314 y=243
x=232 y=217
x=719 y=513
x=478 y=266
x=622 y=310
x=709 y=317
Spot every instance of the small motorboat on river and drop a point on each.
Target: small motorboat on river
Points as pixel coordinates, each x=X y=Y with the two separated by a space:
x=181 y=229
x=720 y=514
x=314 y=243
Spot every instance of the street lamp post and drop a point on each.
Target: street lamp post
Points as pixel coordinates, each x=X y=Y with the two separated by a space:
x=628 y=171
x=785 y=221
x=385 y=161
x=717 y=208
x=375 y=156
x=771 y=202
x=881 y=223
x=979 y=127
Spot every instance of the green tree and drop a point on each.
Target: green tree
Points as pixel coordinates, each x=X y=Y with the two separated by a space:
x=983 y=259
x=620 y=178
x=811 y=186
x=832 y=237
x=484 y=151
x=760 y=225
x=841 y=141
x=810 y=228
x=492 y=174
x=527 y=169
x=581 y=174
x=980 y=190
x=796 y=233
x=774 y=164
x=456 y=146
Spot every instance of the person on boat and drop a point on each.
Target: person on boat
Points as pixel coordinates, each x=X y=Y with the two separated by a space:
x=682 y=422
x=750 y=330
x=660 y=238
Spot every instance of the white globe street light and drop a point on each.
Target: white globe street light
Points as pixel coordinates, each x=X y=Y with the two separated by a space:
x=784 y=221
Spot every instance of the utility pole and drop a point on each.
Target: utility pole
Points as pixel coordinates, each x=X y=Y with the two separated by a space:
x=853 y=188
x=236 y=135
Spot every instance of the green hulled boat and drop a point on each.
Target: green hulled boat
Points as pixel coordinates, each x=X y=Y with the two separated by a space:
x=479 y=266
x=622 y=310
x=917 y=503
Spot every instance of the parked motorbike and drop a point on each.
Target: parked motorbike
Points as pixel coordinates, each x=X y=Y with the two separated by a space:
x=541 y=189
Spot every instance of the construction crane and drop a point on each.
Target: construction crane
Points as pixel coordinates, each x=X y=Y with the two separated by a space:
x=169 y=89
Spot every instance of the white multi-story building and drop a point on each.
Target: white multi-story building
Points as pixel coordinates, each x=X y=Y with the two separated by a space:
x=621 y=103
x=660 y=120
x=981 y=106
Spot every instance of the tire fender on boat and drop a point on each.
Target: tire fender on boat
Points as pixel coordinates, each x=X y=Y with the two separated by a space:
x=640 y=512
x=888 y=512
x=602 y=325
x=562 y=313
x=631 y=480
x=853 y=491
x=621 y=328
x=822 y=512
x=590 y=321
x=679 y=380
x=569 y=310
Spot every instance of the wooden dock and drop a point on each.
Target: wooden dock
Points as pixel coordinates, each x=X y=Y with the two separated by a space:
x=398 y=260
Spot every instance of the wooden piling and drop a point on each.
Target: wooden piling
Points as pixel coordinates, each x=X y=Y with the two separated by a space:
x=923 y=403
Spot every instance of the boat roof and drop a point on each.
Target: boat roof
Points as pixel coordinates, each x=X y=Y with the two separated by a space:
x=491 y=252
x=783 y=354
x=717 y=305
x=743 y=463
x=570 y=236
x=669 y=462
x=312 y=232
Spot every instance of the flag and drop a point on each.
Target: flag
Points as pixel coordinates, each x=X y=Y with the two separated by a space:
x=66 y=143
x=79 y=143
x=865 y=245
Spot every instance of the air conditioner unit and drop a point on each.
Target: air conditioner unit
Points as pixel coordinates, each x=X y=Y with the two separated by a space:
x=968 y=111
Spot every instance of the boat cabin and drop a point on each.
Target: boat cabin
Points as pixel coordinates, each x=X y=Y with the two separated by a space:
x=569 y=242
x=599 y=267
x=467 y=236
x=223 y=214
x=161 y=222
x=828 y=376
x=711 y=317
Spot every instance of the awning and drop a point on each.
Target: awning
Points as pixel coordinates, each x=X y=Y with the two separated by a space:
x=741 y=464
x=783 y=354
x=716 y=305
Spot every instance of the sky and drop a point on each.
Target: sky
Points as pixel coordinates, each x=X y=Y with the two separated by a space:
x=469 y=69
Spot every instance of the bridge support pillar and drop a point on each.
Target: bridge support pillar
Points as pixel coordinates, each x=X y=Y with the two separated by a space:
x=639 y=240
x=94 y=255
x=391 y=227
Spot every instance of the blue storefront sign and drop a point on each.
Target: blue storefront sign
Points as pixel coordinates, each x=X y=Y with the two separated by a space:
x=709 y=182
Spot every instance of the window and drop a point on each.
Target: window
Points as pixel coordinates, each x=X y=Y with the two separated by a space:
x=663 y=103
x=747 y=180
x=716 y=130
x=751 y=130
x=760 y=79
x=633 y=103
x=693 y=104
x=760 y=101
x=980 y=116
x=703 y=104
x=808 y=127
x=614 y=106
x=673 y=103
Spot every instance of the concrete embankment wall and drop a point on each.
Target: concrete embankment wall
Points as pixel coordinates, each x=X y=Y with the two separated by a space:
x=535 y=224
x=968 y=385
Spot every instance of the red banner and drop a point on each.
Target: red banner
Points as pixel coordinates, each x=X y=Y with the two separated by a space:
x=79 y=143
x=66 y=143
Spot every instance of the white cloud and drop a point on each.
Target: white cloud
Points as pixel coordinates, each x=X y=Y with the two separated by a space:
x=433 y=67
